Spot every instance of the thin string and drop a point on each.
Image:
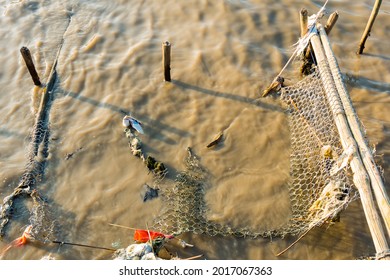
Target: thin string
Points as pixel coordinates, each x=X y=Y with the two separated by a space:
x=304 y=41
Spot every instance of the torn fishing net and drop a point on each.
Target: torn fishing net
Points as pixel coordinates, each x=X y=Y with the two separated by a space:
x=36 y=155
x=320 y=185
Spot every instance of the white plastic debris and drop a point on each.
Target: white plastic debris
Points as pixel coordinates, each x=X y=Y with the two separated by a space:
x=130 y=122
x=142 y=251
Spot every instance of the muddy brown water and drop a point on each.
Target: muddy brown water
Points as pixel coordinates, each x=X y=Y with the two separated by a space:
x=224 y=53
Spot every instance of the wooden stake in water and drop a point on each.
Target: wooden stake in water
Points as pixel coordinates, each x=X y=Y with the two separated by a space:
x=166 y=50
x=369 y=25
x=30 y=65
x=303 y=20
x=328 y=27
x=331 y=22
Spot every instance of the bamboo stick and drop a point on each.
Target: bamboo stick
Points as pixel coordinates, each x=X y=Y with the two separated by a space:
x=30 y=65
x=328 y=28
x=303 y=21
x=357 y=131
x=369 y=25
x=83 y=245
x=166 y=50
x=360 y=177
x=331 y=21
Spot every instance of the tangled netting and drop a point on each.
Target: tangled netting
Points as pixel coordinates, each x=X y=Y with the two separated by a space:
x=319 y=186
x=186 y=209
x=39 y=214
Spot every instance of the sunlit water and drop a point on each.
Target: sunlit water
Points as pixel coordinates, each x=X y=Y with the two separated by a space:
x=224 y=53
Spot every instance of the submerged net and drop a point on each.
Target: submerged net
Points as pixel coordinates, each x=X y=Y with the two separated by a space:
x=319 y=185
x=39 y=216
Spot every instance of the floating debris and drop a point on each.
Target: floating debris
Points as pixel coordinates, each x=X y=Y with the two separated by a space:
x=328 y=152
x=48 y=257
x=153 y=165
x=142 y=251
x=216 y=140
x=135 y=146
x=130 y=122
x=70 y=155
x=20 y=241
x=148 y=242
x=96 y=38
x=275 y=86
x=143 y=235
x=184 y=244
x=150 y=193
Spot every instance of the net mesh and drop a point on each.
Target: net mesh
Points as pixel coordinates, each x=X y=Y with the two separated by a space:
x=319 y=185
x=39 y=217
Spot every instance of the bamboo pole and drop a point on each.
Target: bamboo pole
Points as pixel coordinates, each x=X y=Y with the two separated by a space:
x=331 y=21
x=369 y=25
x=357 y=131
x=303 y=21
x=360 y=177
x=30 y=65
x=82 y=245
x=328 y=28
x=166 y=50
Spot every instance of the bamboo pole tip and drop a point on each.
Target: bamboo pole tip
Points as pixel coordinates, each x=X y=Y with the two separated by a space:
x=334 y=16
x=166 y=44
x=304 y=12
x=24 y=50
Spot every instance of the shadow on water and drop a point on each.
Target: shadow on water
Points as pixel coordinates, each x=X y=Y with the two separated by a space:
x=243 y=99
x=156 y=126
x=364 y=83
x=8 y=133
x=217 y=247
x=376 y=56
x=93 y=102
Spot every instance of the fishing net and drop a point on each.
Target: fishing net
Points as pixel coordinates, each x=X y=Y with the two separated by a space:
x=39 y=215
x=319 y=185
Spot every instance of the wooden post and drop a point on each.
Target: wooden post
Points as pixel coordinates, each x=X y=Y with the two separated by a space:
x=30 y=65
x=166 y=50
x=357 y=131
x=308 y=60
x=328 y=27
x=331 y=21
x=369 y=25
x=360 y=177
x=303 y=21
